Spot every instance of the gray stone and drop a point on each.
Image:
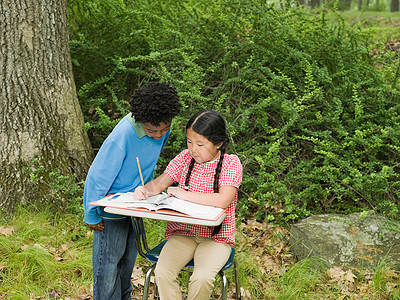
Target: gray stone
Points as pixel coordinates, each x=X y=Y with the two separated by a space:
x=359 y=240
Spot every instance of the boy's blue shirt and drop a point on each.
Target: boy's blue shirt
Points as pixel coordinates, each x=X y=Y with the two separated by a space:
x=115 y=167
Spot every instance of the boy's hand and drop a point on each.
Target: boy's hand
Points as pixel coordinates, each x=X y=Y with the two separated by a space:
x=97 y=227
x=140 y=193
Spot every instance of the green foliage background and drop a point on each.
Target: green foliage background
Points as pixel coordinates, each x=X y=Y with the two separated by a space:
x=312 y=104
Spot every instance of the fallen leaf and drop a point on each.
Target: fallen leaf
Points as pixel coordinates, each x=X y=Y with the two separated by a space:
x=40 y=247
x=335 y=273
x=391 y=287
x=364 y=289
x=64 y=247
x=33 y=297
x=2 y=267
x=254 y=224
x=24 y=247
x=138 y=277
x=245 y=293
x=349 y=276
x=7 y=231
x=389 y=273
x=52 y=294
x=279 y=247
x=58 y=257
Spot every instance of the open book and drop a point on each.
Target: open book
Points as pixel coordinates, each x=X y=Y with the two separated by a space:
x=161 y=203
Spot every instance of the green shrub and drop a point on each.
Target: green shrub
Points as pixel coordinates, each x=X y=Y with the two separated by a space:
x=312 y=109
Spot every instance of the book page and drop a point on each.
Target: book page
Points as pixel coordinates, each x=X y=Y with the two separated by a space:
x=161 y=202
x=191 y=209
x=159 y=199
x=124 y=200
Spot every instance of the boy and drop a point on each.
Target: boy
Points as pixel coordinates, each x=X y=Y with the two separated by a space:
x=143 y=133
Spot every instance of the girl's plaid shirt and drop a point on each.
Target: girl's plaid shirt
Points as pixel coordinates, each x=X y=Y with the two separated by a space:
x=202 y=181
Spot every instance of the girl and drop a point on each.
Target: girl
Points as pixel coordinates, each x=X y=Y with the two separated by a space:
x=208 y=176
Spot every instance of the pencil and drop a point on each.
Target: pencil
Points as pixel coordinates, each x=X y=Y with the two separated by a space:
x=140 y=171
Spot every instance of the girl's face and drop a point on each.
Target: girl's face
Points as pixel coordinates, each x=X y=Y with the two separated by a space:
x=201 y=149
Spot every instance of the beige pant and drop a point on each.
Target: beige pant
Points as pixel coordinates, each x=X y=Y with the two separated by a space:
x=209 y=258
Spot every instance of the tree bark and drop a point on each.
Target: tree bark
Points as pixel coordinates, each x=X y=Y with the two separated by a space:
x=315 y=3
x=41 y=125
x=394 y=5
x=301 y=3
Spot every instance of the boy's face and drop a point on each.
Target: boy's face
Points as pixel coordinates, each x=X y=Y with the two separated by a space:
x=156 y=132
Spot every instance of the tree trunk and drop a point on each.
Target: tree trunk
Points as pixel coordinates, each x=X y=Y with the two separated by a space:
x=359 y=4
x=41 y=121
x=301 y=3
x=315 y=3
x=394 y=5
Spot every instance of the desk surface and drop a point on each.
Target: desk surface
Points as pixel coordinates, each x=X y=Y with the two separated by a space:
x=165 y=217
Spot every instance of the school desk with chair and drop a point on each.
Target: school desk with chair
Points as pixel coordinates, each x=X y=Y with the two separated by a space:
x=152 y=254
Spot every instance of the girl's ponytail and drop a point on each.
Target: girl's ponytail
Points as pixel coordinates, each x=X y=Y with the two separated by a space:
x=189 y=173
x=216 y=179
x=218 y=169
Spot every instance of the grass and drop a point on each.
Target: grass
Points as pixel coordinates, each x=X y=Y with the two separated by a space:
x=383 y=25
x=44 y=255
x=47 y=256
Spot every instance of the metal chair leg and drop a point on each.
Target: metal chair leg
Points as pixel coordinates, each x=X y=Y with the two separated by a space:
x=146 y=286
x=237 y=284
x=224 y=285
x=155 y=289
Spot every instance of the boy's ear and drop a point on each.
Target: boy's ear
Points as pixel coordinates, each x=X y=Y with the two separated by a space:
x=219 y=145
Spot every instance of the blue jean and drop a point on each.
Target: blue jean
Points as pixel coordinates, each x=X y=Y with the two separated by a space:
x=114 y=256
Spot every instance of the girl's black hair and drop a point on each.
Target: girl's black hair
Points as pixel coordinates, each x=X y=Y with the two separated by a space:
x=211 y=125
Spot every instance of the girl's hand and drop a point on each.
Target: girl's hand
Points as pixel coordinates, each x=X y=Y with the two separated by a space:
x=174 y=191
x=140 y=193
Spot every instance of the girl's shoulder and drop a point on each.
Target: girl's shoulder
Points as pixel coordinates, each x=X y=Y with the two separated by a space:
x=231 y=171
x=185 y=154
x=182 y=157
x=231 y=160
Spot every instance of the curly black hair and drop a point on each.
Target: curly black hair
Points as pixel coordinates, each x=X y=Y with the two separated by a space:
x=155 y=102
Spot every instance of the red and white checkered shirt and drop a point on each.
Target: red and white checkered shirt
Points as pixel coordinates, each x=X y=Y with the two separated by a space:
x=202 y=181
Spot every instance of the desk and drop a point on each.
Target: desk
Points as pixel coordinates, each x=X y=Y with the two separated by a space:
x=138 y=226
x=164 y=217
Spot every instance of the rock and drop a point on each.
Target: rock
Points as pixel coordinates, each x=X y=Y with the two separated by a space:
x=358 y=240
